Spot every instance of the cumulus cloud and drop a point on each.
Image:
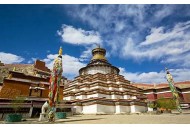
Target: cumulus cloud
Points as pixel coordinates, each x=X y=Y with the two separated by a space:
x=161 y=44
x=9 y=58
x=156 y=77
x=140 y=33
x=73 y=35
x=71 y=65
x=160 y=34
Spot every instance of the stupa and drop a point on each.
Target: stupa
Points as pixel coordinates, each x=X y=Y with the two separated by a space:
x=100 y=89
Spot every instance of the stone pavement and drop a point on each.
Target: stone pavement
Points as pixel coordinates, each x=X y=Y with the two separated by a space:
x=117 y=119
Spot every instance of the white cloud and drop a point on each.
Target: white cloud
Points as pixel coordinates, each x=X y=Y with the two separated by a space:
x=156 y=77
x=158 y=34
x=71 y=65
x=32 y=60
x=9 y=58
x=161 y=44
x=72 y=35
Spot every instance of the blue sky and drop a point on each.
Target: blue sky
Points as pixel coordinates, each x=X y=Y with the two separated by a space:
x=140 y=39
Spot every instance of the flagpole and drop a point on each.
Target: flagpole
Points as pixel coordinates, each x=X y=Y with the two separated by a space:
x=173 y=90
x=55 y=81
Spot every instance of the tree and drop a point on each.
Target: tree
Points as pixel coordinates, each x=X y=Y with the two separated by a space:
x=166 y=103
x=17 y=103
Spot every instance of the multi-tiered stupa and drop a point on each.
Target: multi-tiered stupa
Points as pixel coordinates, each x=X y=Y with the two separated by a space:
x=99 y=89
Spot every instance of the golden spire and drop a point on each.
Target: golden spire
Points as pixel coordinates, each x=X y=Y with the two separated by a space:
x=14 y=69
x=60 y=51
x=98 y=45
x=99 y=53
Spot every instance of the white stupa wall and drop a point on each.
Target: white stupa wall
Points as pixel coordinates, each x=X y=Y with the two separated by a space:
x=100 y=87
x=137 y=108
x=98 y=69
x=69 y=98
x=133 y=97
x=126 y=96
x=113 y=88
x=98 y=95
x=105 y=109
x=113 y=96
x=122 y=89
x=90 y=109
x=81 y=97
x=77 y=109
x=75 y=90
x=122 y=109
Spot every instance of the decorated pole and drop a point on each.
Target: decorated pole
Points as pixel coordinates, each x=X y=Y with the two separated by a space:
x=173 y=90
x=55 y=81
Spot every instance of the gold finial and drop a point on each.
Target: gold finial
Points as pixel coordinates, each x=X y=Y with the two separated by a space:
x=98 y=45
x=60 y=51
x=14 y=69
x=9 y=76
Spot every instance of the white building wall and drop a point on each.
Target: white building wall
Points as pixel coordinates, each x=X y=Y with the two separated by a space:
x=126 y=96
x=81 y=97
x=69 y=98
x=92 y=95
x=77 y=109
x=99 y=95
x=101 y=87
x=90 y=109
x=84 y=88
x=122 y=109
x=133 y=97
x=94 y=87
x=150 y=109
x=101 y=69
x=113 y=88
x=136 y=108
x=121 y=89
x=75 y=90
x=110 y=88
x=105 y=109
x=116 y=96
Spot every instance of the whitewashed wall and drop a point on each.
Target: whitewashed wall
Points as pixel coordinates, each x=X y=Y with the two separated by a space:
x=126 y=96
x=150 y=109
x=122 y=109
x=81 y=97
x=133 y=97
x=75 y=90
x=106 y=109
x=69 y=98
x=116 y=96
x=122 y=89
x=136 y=108
x=77 y=109
x=101 y=69
x=90 y=109
x=98 y=95
x=96 y=87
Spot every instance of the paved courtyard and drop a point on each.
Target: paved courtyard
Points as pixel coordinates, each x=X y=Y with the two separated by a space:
x=118 y=119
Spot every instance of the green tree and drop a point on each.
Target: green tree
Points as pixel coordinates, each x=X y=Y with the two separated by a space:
x=166 y=103
x=17 y=103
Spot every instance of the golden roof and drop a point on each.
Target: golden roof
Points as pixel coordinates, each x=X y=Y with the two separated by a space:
x=60 y=51
x=99 y=54
x=99 y=57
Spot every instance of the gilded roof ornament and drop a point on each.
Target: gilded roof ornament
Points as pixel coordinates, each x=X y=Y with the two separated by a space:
x=60 y=51
x=14 y=69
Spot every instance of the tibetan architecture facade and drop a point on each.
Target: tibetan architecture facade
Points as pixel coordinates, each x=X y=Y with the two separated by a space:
x=28 y=81
x=154 y=92
x=99 y=89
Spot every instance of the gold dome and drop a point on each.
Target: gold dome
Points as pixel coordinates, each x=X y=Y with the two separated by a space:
x=98 y=57
x=99 y=54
